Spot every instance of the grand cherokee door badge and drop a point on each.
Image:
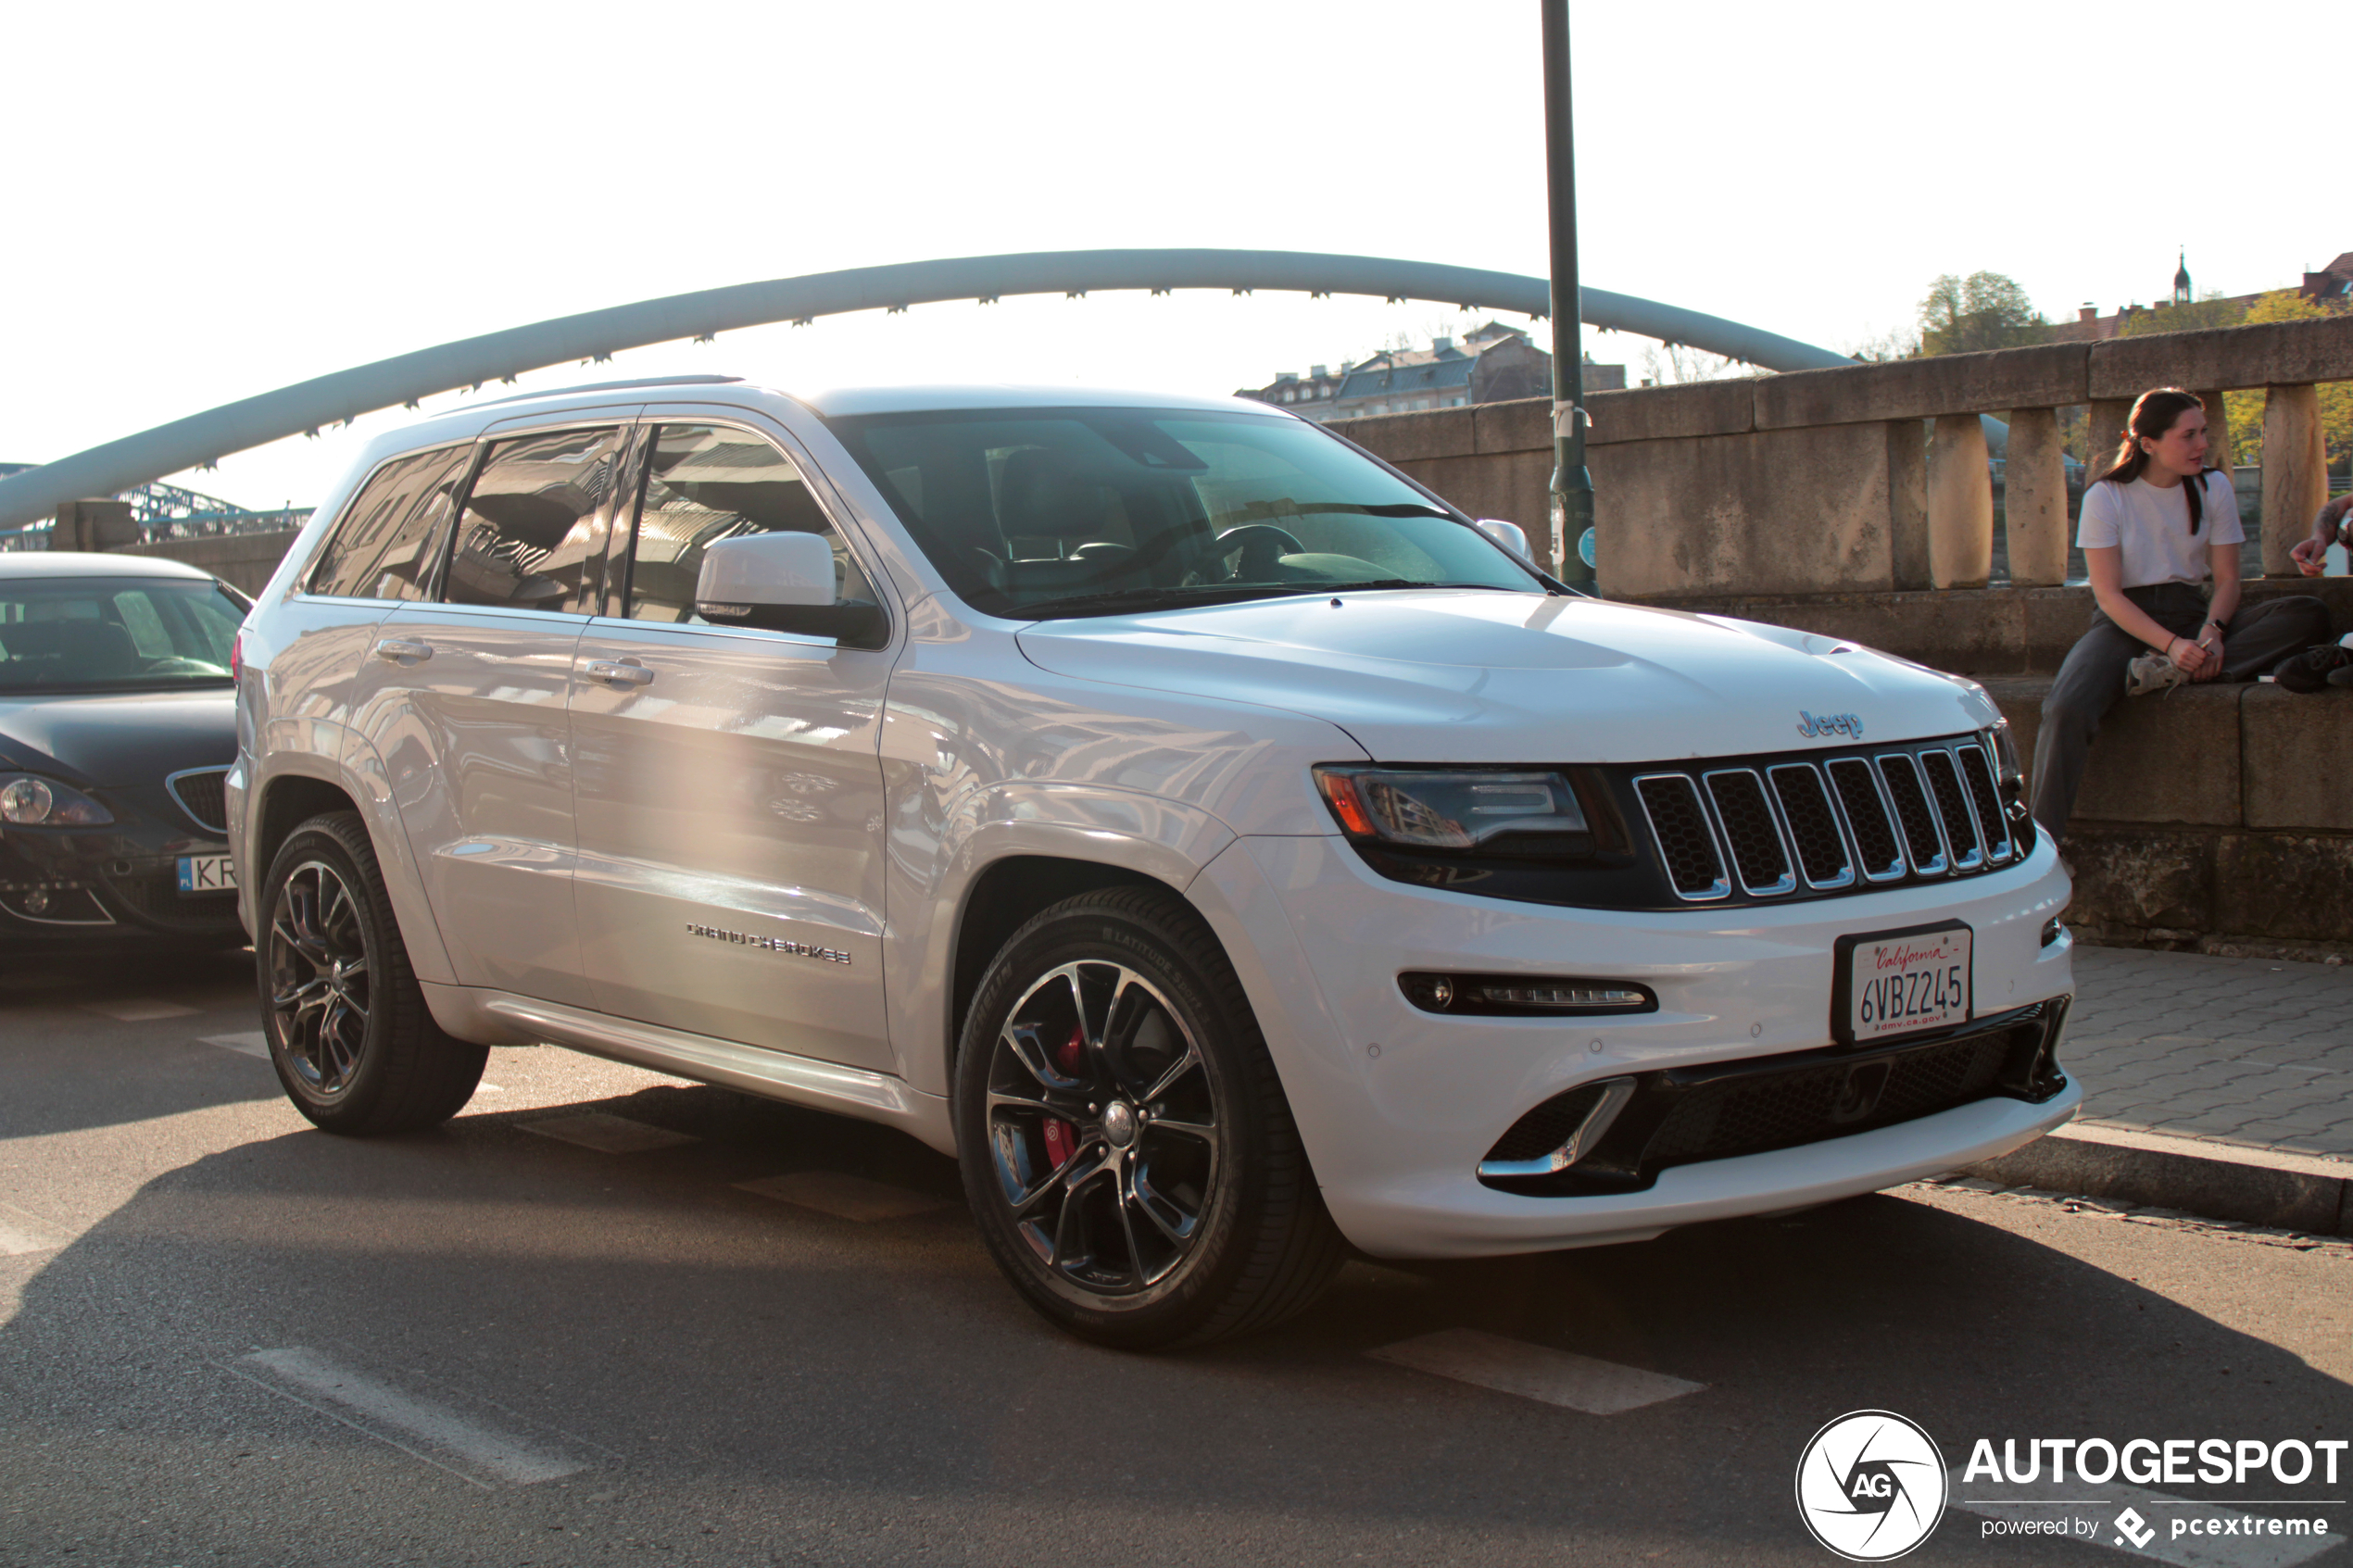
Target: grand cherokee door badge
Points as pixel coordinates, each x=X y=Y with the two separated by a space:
x=772 y=944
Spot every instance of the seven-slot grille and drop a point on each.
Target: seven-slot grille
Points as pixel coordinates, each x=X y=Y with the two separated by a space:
x=203 y=796
x=1919 y=811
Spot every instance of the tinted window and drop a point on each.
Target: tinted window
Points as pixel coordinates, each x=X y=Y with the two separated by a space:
x=1042 y=511
x=392 y=528
x=81 y=633
x=704 y=482
x=533 y=525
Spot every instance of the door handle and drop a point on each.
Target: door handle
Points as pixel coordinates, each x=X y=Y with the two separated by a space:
x=399 y=650
x=624 y=674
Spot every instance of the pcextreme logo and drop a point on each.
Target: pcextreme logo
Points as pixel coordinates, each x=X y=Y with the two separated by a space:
x=1871 y=1485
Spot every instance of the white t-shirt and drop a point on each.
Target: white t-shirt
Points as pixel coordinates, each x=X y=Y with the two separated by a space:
x=2153 y=526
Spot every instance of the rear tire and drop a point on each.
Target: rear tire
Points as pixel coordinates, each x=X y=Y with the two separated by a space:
x=354 y=1044
x=1125 y=1140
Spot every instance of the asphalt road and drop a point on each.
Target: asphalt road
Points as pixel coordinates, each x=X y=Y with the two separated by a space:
x=228 y=1338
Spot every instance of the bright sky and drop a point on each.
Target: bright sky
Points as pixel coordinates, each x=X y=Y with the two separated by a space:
x=210 y=201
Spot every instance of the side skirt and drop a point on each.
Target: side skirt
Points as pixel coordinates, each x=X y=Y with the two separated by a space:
x=502 y=1018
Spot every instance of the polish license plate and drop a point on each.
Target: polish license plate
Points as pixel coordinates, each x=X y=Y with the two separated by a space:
x=208 y=873
x=1900 y=982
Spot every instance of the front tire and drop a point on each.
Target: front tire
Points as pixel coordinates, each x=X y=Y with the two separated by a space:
x=349 y=1033
x=1124 y=1138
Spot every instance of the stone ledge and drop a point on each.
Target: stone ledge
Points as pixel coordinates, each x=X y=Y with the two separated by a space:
x=2044 y=377
x=1668 y=413
x=2269 y=353
x=2002 y=630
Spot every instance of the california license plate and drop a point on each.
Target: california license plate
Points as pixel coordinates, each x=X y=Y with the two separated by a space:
x=1900 y=982
x=208 y=873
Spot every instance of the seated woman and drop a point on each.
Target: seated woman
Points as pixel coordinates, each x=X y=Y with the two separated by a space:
x=2157 y=523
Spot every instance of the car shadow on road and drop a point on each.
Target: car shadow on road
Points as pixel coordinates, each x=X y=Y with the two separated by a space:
x=715 y=1338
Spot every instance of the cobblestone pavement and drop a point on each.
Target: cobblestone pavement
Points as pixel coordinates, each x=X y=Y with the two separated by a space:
x=2237 y=1050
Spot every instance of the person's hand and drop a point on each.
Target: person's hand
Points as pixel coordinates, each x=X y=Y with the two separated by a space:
x=2311 y=556
x=2188 y=657
x=2209 y=643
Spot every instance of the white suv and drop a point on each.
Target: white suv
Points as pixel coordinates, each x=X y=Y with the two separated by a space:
x=1227 y=848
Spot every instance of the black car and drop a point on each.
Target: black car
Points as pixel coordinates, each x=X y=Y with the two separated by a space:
x=118 y=724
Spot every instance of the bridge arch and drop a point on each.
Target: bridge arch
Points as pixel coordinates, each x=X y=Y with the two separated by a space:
x=254 y=421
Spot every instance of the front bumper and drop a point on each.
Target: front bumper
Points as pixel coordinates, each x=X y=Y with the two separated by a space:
x=1397 y=1106
x=114 y=886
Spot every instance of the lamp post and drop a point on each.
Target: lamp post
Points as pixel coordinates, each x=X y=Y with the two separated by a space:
x=1572 y=504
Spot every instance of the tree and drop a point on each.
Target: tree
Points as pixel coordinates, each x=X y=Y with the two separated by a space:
x=1980 y=312
x=2337 y=397
x=2208 y=313
x=1672 y=364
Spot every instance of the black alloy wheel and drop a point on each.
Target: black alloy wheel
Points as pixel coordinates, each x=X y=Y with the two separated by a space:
x=317 y=959
x=349 y=1033
x=1124 y=1138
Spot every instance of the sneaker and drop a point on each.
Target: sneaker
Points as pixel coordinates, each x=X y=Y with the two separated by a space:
x=2152 y=673
x=2342 y=676
x=2314 y=668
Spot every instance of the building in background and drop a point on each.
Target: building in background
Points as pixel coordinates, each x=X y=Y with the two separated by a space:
x=2333 y=282
x=1494 y=364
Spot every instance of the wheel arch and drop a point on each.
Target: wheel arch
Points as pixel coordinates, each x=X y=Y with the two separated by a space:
x=300 y=785
x=1001 y=899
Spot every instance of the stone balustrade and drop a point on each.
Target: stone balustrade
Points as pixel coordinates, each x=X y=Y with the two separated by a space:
x=1870 y=478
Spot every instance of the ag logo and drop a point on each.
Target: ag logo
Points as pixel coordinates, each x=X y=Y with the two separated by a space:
x=1871 y=1485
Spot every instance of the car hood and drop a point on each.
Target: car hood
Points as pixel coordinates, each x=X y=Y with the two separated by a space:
x=1445 y=676
x=120 y=737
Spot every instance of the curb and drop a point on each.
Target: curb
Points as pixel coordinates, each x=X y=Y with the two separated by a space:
x=2268 y=1187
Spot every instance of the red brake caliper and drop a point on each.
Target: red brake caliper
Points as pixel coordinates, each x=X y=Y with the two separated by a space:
x=1061 y=1138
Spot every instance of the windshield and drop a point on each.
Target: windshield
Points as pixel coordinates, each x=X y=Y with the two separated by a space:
x=1039 y=512
x=115 y=633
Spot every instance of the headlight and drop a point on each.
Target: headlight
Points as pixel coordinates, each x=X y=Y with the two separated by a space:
x=1456 y=809
x=30 y=802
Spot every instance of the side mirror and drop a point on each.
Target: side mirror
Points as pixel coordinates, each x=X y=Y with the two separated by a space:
x=783 y=582
x=1508 y=534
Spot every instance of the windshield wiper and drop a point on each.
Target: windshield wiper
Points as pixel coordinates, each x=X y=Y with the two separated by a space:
x=1273 y=511
x=1413 y=582
x=1155 y=598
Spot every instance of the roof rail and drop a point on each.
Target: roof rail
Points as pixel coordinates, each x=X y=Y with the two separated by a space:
x=610 y=387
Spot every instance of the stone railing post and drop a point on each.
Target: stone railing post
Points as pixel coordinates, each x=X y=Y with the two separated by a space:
x=2295 y=474
x=1960 y=504
x=1908 y=502
x=2035 y=499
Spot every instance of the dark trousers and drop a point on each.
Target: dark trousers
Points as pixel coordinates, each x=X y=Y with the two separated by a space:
x=2092 y=681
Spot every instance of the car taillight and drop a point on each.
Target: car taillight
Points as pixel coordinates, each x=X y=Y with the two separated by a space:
x=237 y=656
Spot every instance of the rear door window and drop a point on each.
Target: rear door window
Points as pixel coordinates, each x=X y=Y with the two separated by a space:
x=533 y=534
x=707 y=483
x=393 y=530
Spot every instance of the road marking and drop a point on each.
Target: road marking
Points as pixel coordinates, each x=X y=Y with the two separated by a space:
x=1534 y=1372
x=845 y=1197
x=606 y=1135
x=438 y=1436
x=138 y=1009
x=2153 y=1514
x=253 y=1042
